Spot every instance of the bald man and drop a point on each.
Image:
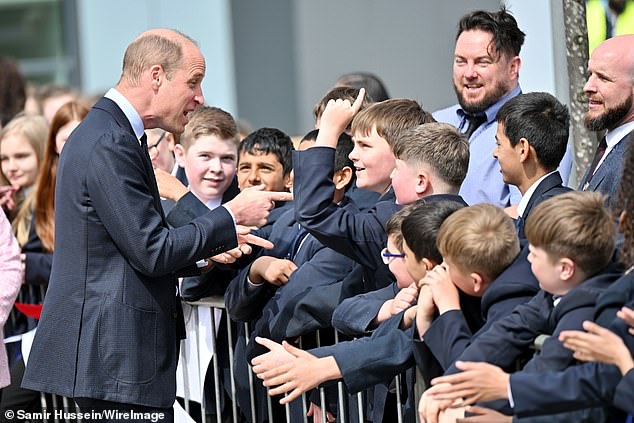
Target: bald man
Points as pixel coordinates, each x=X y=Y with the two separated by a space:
x=112 y=319
x=610 y=89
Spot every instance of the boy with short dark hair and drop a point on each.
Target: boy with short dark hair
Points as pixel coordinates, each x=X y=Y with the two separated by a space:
x=531 y=140
x=298 y=262
x=264 y=158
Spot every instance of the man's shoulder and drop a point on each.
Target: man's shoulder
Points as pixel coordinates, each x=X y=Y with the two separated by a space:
x=447 y=115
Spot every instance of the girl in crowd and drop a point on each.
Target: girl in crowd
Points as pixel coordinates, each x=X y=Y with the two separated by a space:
x=21 y=150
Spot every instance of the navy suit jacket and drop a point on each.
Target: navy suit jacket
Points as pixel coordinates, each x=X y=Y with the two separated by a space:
x=111 y=318
x=607 y=177
x=549 y=187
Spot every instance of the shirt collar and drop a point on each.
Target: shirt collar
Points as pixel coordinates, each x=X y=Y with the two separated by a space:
x=613 y=137
x=128 y=110
x=521 y=207
x=212 y=203
x=492 y=110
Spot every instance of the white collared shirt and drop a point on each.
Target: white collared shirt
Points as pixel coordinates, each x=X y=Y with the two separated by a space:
x=128 y=110
x=521 y=207
x=613 y=137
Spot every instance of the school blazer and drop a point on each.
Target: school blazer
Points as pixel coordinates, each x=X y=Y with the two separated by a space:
x=111 y=318
x=551 y=185
x=508 y=338
x=583 y=386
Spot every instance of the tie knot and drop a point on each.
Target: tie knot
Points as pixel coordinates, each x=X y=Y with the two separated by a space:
x=143 y=141
x=475 y=121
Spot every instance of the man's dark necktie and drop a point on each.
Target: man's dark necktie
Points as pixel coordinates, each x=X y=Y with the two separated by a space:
x=603 y=145
x=143 y=140
x=474 y=123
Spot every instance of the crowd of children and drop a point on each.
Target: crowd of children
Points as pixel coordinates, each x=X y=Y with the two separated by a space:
x=395 y=257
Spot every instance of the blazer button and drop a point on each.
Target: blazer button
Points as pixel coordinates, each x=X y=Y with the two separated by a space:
x=174 y=315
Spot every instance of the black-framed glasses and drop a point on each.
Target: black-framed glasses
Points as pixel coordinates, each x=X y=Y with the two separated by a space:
x=386 y=256
x=156 y=144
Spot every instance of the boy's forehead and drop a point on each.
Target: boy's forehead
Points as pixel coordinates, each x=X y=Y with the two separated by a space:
x=257 y=156
x=213 y=142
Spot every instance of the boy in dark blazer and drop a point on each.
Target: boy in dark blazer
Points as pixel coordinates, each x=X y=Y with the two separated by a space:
x=531 y=139
x=571 y=241
x=360 y=236
x=482 y=259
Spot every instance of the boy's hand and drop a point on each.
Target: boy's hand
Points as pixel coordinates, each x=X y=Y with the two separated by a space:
x=443 y=290
x=627 y=315
x=425 y=309
x=317 y=414
x=169 y=186
x=272 y=270
x=336 y=117
x=478 y=382
x=279 y=272
x=598 y=344
x=402 y=301
x=408 y=318
x=429 y=408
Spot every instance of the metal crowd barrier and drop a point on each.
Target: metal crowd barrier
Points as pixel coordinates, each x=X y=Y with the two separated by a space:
x=238 y=415
x=53 y=402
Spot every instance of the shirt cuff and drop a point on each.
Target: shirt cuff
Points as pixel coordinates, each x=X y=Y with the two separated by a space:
x=510 y=394
x=251 y=287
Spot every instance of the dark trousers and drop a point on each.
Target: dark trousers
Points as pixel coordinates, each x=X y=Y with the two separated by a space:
x=108 y=411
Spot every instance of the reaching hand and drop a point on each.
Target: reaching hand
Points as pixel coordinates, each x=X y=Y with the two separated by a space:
x=266 y=365
x=477 y=382
x=598 y=344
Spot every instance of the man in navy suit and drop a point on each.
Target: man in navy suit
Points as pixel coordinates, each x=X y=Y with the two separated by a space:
x=610 y=90
x=109 y=331
x=531 y=139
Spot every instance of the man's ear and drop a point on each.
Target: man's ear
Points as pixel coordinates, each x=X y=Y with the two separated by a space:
x=342 y=177
x=515 y=65
x=157 y=75
x=179 y=154
x=567 y=268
